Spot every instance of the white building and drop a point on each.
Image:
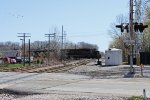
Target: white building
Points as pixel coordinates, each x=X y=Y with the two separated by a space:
x=113 y=56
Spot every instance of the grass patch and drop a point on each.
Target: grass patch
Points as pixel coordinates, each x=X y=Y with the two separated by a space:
x=136 y=98
x=11 y=66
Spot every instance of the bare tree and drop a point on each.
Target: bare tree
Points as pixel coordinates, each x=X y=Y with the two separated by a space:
x=118 y=36
x=146 y=35
x=4 y=46
x=113 y=31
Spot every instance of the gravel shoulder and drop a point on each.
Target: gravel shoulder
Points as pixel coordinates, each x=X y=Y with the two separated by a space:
x=109 y=72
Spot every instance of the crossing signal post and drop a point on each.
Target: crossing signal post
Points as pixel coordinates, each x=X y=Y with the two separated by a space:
x=133 y=27
x=129 y=29
x=137 y=27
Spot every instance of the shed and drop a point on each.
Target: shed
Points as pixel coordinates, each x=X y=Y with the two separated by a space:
x=113 y=56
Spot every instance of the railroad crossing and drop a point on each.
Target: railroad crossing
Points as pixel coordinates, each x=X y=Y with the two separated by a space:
x=67 y=83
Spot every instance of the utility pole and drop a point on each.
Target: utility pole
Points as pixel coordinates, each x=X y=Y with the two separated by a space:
x=131 y=35
x=62 y=43
x=21 y=47
x=24 y=35
x=29 y=54
x=62 y=37
x=49 y=44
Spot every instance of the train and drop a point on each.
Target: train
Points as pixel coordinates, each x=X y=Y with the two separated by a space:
x=81 y=53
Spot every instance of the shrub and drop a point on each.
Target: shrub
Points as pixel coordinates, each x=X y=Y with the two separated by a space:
x=42 y=61
x=38 y=61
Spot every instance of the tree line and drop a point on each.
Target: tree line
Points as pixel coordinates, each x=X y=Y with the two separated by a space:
x=55 y=47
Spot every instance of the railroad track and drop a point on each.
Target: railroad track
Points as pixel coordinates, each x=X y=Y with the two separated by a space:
x=65 y=67
x=56 y=68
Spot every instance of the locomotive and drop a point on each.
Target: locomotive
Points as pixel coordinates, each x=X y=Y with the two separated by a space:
x=81 y=53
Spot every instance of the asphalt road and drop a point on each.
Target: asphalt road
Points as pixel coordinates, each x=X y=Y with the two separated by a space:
x=64 y=83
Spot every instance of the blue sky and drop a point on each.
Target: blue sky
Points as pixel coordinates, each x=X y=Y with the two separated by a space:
x=83 y=20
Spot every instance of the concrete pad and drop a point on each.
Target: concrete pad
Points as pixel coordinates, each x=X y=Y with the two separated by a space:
x=34 y=82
